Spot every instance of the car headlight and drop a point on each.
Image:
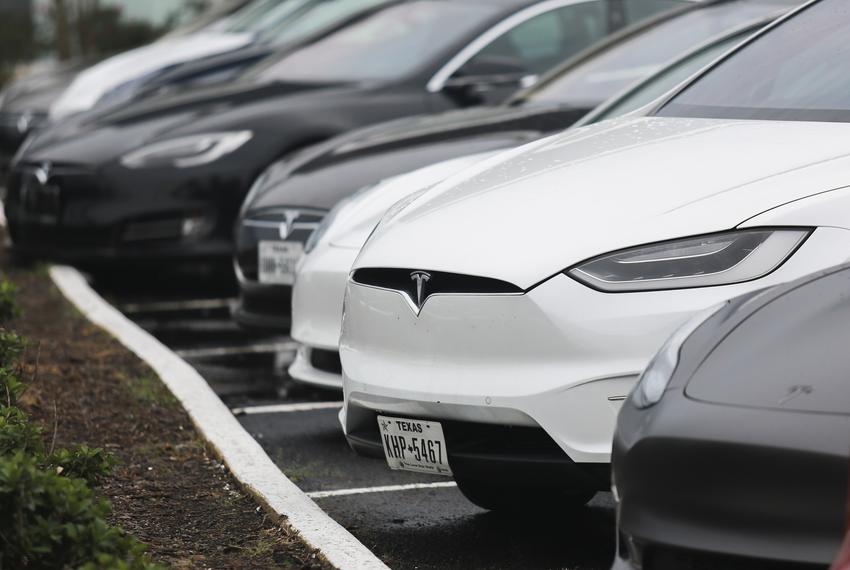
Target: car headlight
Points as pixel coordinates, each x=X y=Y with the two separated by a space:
x=701 y=261
x=185 y=152
x=653 y=382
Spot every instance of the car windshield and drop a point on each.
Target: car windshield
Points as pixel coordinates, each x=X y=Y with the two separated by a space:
x=783 y=75
x=665 y=80
x=607 y=72
x=259 y=15
x=313 y=17
x=387 y=45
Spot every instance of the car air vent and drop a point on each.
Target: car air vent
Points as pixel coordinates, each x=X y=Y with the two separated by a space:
x=418 y=284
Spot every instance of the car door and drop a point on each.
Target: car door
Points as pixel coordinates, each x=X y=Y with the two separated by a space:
x=518 y=50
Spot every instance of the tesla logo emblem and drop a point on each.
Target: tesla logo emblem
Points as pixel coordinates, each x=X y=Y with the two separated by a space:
x=420 y=278
x=287 y=226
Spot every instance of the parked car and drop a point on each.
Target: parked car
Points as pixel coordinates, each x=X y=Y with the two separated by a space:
x=733 y=451
x=25 y=104
x=282 y=30
x=331 y=250
x=316 y=179
x=164 y=178
x=117 y=78
x=508 y=313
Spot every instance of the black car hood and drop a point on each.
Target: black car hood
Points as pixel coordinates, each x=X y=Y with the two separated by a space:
x=323 y=174
x=99 y=136
x=786 y=351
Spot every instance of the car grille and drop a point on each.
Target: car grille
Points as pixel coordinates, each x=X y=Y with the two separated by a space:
x=278 y=224
x=436 y=282
x=667 y=558
x=39 y=196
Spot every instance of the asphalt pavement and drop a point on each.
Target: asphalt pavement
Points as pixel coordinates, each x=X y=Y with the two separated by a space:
x=409 y=520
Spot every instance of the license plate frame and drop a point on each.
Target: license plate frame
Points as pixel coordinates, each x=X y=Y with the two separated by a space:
x=414 y=445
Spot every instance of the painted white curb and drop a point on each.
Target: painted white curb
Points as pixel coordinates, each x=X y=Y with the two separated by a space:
x=242 y=454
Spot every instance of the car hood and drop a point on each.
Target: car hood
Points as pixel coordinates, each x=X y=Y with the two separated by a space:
x=567 y=198
x=356 y=219
x=425 y=129
x=100 y=136
x=93 y=83
x=322 y=175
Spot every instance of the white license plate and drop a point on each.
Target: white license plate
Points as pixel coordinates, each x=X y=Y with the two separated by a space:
x=414 y=445
x=278 y=261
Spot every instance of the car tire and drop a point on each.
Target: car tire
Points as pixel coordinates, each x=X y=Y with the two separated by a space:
x=509 y=496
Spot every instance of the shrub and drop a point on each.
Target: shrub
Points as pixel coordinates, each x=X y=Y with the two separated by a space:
x=8 y=306
x=49 y=521
x=85 y=463
x=17 y=434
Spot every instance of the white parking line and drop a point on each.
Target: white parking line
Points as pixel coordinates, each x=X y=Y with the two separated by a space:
x=286 y=408
x=247 y=460
x=385 y=489
x=167 y=306
x=271 y=347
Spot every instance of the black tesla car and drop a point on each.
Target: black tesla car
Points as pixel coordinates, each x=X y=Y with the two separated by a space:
x=290 y=199
x=164 y=178
x=733 y=451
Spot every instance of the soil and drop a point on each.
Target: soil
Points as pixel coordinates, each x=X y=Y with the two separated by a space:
x=167 y=490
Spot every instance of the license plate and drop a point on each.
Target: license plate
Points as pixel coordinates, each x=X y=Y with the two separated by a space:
x=278 y=261
x=414 y=445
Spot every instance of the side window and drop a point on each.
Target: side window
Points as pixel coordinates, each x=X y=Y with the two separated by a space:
x=542 y=42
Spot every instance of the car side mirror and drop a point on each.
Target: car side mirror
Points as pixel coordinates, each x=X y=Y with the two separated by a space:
x=471 y=82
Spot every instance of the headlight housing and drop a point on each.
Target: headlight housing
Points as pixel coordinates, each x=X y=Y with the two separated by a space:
x=186 y=152
x=655 y=378
x=700 y=261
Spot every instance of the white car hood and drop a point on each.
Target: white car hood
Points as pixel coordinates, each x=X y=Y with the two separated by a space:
x=356 y=220
x=526 y=215
x=91 y=84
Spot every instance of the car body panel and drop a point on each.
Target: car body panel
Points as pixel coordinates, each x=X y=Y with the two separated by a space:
x=768 y=483
x=611 y=172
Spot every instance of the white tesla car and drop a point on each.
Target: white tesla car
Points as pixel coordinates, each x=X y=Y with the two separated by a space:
x=492 y=327
x=323 y=273
x=320 y=287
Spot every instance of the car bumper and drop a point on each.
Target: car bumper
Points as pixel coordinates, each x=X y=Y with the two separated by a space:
x=561 y=356
x=705 y=485
x=317 y=366
x=317 y=296
x=263 y=307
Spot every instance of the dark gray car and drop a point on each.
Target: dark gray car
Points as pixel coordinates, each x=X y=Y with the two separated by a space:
x=739 y=456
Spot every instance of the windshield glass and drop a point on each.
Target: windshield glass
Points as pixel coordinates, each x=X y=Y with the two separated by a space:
x=783 y=75
x=662 y=82
x=259 y=14
x=385 y=45
x=607 y=72
x=314 y=17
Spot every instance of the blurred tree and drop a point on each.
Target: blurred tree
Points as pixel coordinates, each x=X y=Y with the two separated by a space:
x=16 y=34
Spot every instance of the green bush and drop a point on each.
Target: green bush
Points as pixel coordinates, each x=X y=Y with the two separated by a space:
x=8 y=306
x=49 y=515
x=49 y=521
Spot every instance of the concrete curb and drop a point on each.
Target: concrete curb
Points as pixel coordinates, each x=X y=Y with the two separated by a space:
x=245 y=458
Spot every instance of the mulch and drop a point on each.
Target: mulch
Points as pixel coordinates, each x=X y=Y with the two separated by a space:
x=167 y=490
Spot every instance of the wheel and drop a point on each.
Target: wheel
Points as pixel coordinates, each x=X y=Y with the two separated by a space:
x=508 y=496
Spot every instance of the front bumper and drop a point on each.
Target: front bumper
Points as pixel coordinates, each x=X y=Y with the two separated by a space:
x=80 y=214
x=561 y=356
x=263 y=307
x=704 y=485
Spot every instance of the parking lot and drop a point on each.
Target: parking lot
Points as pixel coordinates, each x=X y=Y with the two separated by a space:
x=409 y=520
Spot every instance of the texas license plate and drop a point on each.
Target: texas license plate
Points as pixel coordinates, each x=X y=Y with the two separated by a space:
x=414 y=445
x=278 y=261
